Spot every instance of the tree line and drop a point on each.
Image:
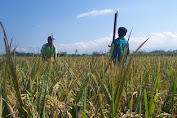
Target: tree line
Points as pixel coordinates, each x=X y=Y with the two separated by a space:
x=95 y=53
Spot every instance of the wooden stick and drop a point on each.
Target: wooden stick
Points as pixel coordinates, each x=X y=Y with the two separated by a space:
x=114 y=29
x=115 y=24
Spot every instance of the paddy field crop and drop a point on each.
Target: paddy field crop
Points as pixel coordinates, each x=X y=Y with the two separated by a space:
x=89 y=87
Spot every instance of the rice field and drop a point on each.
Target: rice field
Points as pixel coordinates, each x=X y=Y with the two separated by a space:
x=89 y=87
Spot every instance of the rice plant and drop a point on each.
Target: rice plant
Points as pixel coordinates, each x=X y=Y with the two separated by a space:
x=87 y=86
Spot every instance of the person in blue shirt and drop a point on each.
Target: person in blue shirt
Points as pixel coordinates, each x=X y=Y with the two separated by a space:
x=118 y=46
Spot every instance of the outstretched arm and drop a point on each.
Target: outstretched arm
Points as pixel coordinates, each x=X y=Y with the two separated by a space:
x=55 y=53
x=43 y=57
x=43 y=53
x=55 y=56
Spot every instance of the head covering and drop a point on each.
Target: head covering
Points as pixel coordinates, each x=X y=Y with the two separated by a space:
x=50 y=38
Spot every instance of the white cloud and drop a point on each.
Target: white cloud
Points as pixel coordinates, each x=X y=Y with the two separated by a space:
x=165 y=41
x=29 y=49
x=118 y=9
x=94 y=13
x=2 y=51
x=99 y=45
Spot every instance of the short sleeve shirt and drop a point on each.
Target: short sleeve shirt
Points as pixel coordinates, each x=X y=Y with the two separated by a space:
x=47 y=51
x=117 y=48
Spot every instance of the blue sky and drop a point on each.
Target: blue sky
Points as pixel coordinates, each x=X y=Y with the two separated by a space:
x=87 y=25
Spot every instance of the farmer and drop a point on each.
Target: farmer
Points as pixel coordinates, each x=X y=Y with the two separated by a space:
x=49 y=50
x=118 y=46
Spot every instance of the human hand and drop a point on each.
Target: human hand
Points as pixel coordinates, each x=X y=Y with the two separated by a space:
x=44 y=57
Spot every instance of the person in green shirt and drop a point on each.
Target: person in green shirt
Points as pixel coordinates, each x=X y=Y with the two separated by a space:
x=49 y=50
x=118 y=46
